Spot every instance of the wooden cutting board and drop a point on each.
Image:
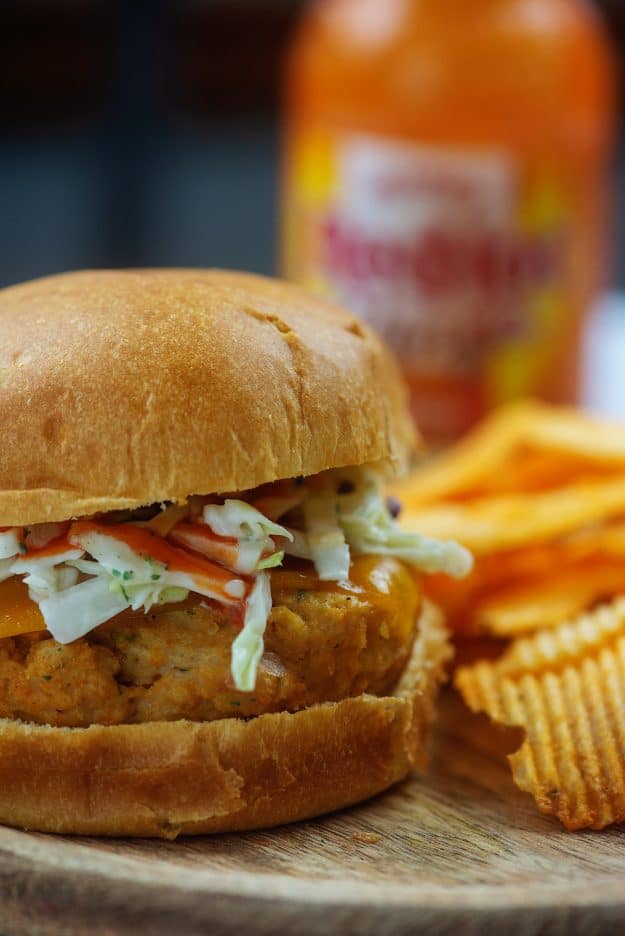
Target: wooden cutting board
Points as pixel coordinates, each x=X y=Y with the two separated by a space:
x=461 y=851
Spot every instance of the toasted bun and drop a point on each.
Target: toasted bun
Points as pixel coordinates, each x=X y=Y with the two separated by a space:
x=119 y=389
x=170 y=778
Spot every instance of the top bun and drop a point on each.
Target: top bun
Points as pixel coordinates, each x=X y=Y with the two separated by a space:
x=119 y=389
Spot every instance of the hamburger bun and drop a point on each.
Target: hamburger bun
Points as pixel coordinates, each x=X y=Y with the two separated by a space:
x=119 y=389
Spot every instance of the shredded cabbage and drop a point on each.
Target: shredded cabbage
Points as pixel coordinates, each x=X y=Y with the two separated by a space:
x=72 y=613
x=248 y=646
x=47 y=574
x=253 y=531
x=370 y=529
x=271 y=562
x=359 y=522
x=326 y=539
x=10 y=543
x=120 y=579
x=6 y=569
x=143 y=581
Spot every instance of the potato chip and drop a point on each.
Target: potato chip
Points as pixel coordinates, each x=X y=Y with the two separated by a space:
x=533 y=471
x=572 y=432
x=529 y=562
x=524 y=446
x=601 y=539
x=473 y=459
x=504 y=604
x=527 y=606
x=492 y=575
x=495 y=524
x=566 y=689
x=519 y=577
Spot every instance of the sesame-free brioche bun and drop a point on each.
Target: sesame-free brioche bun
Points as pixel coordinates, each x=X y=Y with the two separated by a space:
x=120 y=389
x=163 y=779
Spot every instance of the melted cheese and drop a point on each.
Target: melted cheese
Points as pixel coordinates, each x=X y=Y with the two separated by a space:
x=18 y=614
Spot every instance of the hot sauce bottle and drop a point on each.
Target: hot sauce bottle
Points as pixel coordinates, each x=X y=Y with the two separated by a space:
x=445 y=177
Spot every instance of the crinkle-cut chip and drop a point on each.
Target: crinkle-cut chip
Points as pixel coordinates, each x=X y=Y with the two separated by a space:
x=528 y=606
x=495 y=524
x=523 y=446
x=566 y=689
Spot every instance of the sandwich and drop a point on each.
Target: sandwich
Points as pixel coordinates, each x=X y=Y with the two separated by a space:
x=210 y=617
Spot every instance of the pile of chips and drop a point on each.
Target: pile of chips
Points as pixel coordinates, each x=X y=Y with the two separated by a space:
x=538 y=495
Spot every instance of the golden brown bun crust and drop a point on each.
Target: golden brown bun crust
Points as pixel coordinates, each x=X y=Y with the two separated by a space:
x=170 y=778
x=119 y=389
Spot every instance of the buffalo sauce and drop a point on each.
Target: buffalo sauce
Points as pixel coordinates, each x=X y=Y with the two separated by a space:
x=149 y=546
x=383 y=581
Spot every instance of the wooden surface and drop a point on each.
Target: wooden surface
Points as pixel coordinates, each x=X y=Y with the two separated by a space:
x=459 y=852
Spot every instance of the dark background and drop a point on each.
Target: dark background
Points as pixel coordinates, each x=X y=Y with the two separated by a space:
x=147 y=133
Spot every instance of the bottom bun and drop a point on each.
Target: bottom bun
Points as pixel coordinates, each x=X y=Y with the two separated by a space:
x=165 y=779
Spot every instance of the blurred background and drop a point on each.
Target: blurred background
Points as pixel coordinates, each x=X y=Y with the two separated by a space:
x=139 y=133
x=148 y=133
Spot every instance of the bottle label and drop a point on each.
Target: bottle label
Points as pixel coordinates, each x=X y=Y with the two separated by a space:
x=456 y=257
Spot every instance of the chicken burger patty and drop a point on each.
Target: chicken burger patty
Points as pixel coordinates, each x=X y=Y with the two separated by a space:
x=323 y=642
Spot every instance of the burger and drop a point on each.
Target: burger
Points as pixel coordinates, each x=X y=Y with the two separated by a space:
x=210 y=619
